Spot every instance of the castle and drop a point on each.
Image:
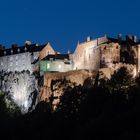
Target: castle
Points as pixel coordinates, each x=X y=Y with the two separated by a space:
x=102 y=54
x=92 y=54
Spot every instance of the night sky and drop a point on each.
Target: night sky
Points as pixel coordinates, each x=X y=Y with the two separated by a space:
x=64 y=22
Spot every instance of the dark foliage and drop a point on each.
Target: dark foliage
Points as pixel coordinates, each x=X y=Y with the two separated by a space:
x=100 y=109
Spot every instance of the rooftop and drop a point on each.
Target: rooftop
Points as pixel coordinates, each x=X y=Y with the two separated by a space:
x=57 y=56
x=16 y=50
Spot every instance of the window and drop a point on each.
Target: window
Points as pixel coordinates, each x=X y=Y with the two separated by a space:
x=23 y=56
x=11 y=64
x=51 y=59
x=59 y=66
x=48 y=65
x=16 y=57
x=1 y=63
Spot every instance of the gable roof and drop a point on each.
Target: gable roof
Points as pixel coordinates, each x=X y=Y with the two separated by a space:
x=46 y=50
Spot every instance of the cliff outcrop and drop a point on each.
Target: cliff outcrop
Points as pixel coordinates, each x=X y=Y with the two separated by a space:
x=56 y=84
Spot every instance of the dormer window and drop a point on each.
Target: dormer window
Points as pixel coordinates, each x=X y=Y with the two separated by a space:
x=1 y=63
x=11 y=51
x=25 y=49
x=18 y=50
x=4 y=52
x=51 y=59
x=48 y=65
x=16 y=57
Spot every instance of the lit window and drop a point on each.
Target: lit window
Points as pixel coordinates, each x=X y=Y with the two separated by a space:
x=23 y=56
x=1 y=63
x=59 y=66
x=48 y=65
x=16 y=57
x=11 y=64
x=16 y=63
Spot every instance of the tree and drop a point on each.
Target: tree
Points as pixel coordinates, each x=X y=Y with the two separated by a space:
x=121 y=80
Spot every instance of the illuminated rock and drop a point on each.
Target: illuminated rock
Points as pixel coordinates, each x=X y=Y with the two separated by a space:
x=22 y=86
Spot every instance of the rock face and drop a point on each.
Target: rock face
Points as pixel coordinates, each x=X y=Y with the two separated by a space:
x=55 y=84
x=22 y=86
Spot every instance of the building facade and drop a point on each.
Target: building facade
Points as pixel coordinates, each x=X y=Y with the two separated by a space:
x=87 y=54
x=92 y=54
x=19 y=58
x=55 y=63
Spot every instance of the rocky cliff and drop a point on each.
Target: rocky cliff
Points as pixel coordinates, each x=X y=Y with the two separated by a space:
x=21 y=86
x=56 y=84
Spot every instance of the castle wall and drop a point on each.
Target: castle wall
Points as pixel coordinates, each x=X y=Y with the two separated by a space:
x=110 y=53
x=17 y=62
x=87 y=56
x=45 y=51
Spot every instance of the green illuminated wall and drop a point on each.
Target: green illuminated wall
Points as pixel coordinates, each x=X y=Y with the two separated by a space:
x=54 y=66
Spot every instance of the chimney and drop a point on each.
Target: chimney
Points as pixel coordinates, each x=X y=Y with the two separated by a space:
x=1 y=47
x=119 y=37
x=14 y=46
x=88 y=38
x=135 y=38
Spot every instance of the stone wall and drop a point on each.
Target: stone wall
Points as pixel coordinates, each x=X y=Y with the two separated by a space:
x=45 y=51
x=17 y=62
x=78 y=77
x=87 y=54
x=110 y=53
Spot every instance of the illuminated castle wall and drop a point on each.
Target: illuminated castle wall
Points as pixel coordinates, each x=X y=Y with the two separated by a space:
x=18 y=58
x=93 y=54
x=21 y=58
x=96 y=54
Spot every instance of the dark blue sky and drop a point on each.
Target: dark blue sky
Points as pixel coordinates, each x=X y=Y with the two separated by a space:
x=64 y=22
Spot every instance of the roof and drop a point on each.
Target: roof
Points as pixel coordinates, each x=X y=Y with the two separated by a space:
x=123 y=42
x=22 y=49
x=57 y=56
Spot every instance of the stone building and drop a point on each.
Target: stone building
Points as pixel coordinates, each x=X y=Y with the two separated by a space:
x=46 y=51
x=96 y=54
x=87 y=54
x=19 y=58
x=55 y=63
x=129 y=50
x=110 y=54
